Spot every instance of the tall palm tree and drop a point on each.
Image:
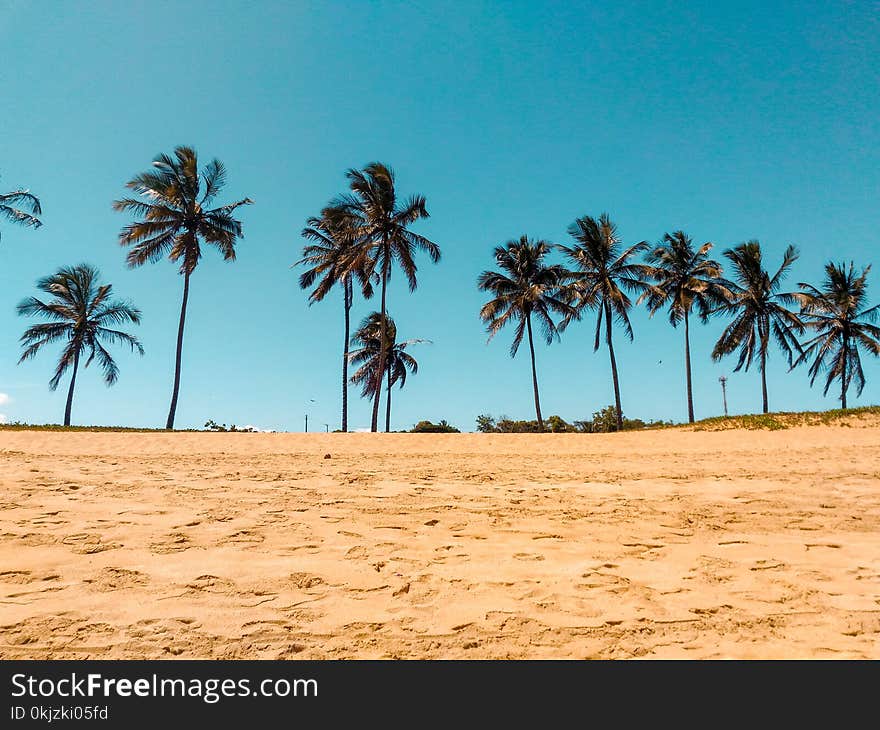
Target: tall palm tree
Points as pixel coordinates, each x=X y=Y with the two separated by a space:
x=525 y=286
x=385 y=238
x=684 y=277
x=601 y=274
x=758 y=310
x=843 y=326
x=330 y=256
x=368 y=356
x=22 y=207
x=174 y=220
x=82 y=315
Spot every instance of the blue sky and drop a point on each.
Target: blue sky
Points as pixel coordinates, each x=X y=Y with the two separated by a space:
x=730 y=120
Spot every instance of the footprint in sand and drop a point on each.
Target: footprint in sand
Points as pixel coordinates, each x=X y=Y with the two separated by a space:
x=112 y=579
x=174 y=542
x=16 y=576
x=211 y=584
x=304 y=581
x=243 y=537
x=85 y=543
x=595 y=579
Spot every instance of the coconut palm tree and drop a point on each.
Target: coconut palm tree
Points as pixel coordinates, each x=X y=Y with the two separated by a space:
x=175 y=220
x=684 y=277
x=525 y=287
x=601 y=274
x=843 y=327
x=22 y=207
x=330 y=254
x=369 y=353
x=758 y=310
x=385 y=238
x=82 y=315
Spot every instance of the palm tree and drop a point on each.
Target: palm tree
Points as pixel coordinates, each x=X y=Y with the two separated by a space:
x=684 y=277
x=601 y=273
x=837 y=315
x=758 y=310
x=334 y=241
x=22 y=207
x=175 y=218
x=385 y=238
x=369 y=354
x=525 y=286
x=83 y=316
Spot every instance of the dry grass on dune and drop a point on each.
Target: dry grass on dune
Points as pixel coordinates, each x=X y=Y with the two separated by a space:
x=666 y=543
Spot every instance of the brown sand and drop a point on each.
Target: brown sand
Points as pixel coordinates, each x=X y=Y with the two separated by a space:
x=655 y=544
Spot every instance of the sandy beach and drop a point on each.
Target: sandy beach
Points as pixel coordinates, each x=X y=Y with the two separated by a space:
x=670 y=543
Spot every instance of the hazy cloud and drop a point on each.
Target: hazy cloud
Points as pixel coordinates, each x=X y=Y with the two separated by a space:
x=4 y=399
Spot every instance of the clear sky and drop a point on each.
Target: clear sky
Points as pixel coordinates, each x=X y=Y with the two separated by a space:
x=730 y=120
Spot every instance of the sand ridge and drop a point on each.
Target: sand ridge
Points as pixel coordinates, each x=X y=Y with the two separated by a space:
x=667 y=543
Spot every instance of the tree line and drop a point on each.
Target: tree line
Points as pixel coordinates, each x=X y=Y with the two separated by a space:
x=826 y=326
x=362 y=235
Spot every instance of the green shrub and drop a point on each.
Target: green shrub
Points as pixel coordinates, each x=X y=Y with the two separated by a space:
x=428 y=427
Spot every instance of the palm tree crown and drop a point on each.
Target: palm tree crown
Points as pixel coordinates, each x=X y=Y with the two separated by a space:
x=175 y=219
x=684 y=277
x=82 y=315
x=842 y=326
x=21 y=207
x=602 y=273
x=758 y=311
x=525 y=286
x=174 y=212
x=398 y=361
x=385 y=236
x=330 y=257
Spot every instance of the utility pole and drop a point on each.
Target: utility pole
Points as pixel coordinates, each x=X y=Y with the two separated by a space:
x=310 y=400
x=723 y=381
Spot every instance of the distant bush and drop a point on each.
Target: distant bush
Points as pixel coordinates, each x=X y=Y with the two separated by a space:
x=428 y=427
x=212 y=425
x=603 y=421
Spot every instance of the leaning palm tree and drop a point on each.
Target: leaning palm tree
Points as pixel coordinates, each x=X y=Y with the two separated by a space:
x=758 y=310
x=369 y=353
x=82 y=315
x=385 y=238
x=843 y=327
x=684 y=277
x=330 y=256
x=174 y=220
x=22 y=207
x=601 y=273
x=525 y=286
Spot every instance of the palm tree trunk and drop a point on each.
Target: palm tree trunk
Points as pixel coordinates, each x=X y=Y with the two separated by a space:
x=613 y=367
x=687 y=364
x=382 y=345
x=388 y=405
x=173 y=409
x=534 y=373
x=70 y=390
x=764 y=376
x=843 y=383
x=347 y=296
